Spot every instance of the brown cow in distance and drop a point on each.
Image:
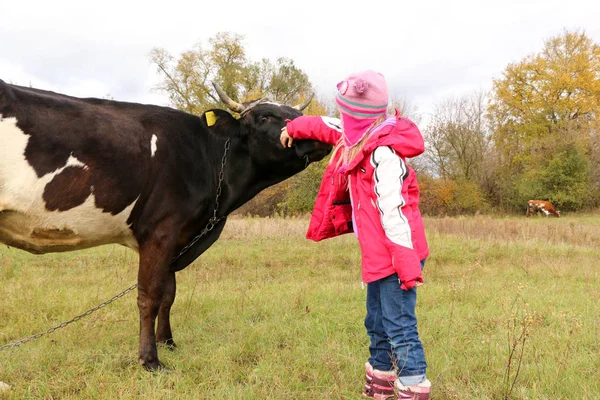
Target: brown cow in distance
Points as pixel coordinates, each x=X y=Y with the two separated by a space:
x=537 y=206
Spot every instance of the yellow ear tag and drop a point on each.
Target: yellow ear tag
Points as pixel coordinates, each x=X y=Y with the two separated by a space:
x=211 y=118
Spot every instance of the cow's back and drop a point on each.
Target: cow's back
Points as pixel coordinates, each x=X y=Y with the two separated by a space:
x=543 y=206
x=71 y=170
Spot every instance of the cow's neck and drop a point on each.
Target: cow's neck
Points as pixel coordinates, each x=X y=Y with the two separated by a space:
x=243 y=179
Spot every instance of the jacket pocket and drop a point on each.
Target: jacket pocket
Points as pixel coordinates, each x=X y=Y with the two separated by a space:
x=341 y=217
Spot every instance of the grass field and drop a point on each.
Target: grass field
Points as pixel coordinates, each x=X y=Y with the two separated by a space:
x=509 y=310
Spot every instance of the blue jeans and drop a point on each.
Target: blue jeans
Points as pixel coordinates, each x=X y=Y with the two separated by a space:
x=391 y=324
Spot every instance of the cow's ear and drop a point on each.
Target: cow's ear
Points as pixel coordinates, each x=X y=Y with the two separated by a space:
x=221 y=122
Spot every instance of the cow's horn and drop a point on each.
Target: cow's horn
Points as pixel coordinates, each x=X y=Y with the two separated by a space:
x=232 y=105
x=305 y=103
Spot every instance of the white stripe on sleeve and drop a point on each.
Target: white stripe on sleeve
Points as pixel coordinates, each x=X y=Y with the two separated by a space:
x=333 y=123
x=390 y=172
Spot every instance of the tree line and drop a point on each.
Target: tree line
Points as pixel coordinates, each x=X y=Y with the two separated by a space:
x=535 y=135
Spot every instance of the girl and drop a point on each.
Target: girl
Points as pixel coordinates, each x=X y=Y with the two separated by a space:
x=368 y=188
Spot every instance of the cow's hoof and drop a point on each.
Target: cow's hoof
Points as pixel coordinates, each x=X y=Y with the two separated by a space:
x=169 y=344
x=152 y=366
x=161 y=371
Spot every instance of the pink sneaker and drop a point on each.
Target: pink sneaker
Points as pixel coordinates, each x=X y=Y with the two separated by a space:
x=416 y=392
x=379 y=384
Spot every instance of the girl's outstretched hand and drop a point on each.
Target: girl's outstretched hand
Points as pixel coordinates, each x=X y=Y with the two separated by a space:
x=285 y=139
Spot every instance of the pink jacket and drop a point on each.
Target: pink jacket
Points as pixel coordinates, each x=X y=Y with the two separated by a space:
x=383 y=206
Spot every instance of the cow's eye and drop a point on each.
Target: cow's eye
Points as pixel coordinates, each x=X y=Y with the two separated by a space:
x=263 y=119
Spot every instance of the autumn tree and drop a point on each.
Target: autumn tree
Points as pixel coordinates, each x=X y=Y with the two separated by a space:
x=406 y=108
x=187 y=79
x=545 y=114
x=458 y=137
x=458 y=144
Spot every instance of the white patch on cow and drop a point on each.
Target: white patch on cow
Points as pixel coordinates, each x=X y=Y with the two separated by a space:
x=24 y=220
x=74 y=162
x=153 y=145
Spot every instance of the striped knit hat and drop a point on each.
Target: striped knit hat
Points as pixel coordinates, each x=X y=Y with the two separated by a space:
x=362 y=98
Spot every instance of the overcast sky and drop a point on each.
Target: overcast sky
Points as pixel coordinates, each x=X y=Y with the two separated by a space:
x=428 y=50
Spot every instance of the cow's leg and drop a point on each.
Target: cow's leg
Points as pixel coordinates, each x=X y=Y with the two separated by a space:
x=163 y=332
x=153 y=278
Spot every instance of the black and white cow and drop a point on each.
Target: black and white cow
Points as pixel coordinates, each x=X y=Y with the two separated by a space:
x=77 y=173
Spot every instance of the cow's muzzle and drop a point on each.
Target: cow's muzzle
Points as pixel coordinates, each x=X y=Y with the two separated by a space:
x=311 y=150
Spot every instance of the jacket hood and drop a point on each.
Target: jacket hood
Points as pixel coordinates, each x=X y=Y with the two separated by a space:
x=403 y=136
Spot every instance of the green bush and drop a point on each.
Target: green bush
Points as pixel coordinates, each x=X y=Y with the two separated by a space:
x=563 y=178
x=303 y=189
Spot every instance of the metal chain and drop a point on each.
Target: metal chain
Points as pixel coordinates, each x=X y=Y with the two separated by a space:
x=63 y=324
x=212 y=222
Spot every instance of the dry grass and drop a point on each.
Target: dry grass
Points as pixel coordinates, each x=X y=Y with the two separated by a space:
x=239 y=228
x=509 y=310
x=569 y=231
x=565 y=231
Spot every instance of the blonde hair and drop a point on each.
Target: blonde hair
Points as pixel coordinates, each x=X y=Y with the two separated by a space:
x=357 y=148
